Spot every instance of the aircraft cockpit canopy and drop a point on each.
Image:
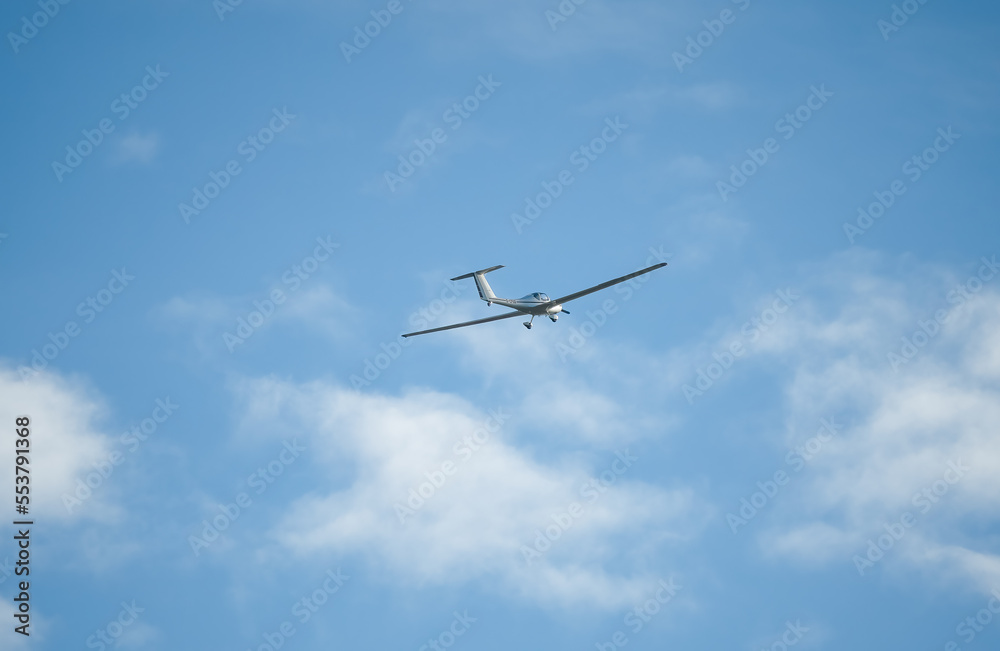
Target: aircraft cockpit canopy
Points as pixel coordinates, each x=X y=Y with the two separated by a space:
x=537 y=296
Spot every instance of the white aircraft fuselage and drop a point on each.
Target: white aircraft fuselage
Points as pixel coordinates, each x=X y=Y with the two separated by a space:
x=537 y=304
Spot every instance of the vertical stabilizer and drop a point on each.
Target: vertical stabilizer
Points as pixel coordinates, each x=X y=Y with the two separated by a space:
x=485 y=291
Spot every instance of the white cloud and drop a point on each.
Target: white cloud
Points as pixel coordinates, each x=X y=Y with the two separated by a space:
x=906 y=426
x=12 y=641
x=74 y=480
x=475 y=523
x=65 y=440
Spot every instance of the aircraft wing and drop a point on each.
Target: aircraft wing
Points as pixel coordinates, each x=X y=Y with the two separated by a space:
x=597 y=288
x=505 y=315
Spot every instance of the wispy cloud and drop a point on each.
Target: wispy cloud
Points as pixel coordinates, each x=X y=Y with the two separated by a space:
x=645 y=102
x=910 y=421
x=137 y=148
x=526 y=31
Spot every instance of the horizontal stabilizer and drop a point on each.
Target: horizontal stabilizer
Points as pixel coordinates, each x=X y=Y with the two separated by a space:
x=481 y=271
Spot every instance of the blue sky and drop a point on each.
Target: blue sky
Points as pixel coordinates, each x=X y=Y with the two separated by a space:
x=219 y=218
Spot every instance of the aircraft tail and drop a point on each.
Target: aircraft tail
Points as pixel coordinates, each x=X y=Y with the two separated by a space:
x=485 y=291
